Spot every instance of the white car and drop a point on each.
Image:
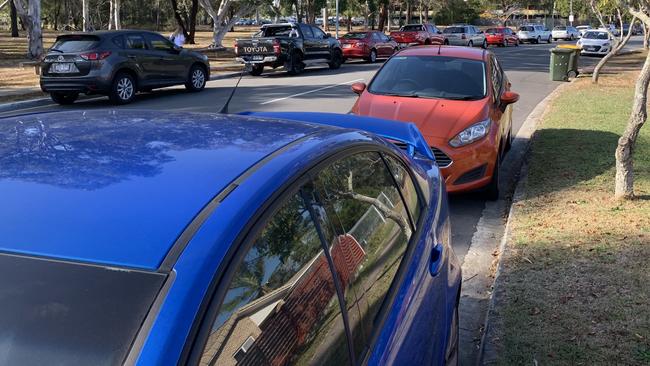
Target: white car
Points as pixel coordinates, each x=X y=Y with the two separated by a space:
x=533 y=33
x=583 y=28
x=567 y=33
x=595 y=42
x=465 y=35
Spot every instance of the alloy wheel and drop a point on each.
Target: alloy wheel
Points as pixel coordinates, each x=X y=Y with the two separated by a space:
x=125 y=88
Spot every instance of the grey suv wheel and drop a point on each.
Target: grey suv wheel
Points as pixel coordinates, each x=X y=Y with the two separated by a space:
x=197 y=79
x=123 y=89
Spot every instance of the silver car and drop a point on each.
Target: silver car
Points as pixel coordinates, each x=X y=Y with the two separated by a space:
x=465 y=35
x=567 y=33
x=534 y=33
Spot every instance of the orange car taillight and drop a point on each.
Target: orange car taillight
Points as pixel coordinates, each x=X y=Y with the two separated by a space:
x=94 y=56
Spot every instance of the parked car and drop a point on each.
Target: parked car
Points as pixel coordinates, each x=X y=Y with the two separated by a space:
x=567 y=33
x=534 y=34
x=316 y=245
x=501 y=36
x=369 y=45
x=465 y=35
x=118 y=64
x=459 y=98
x=289 y=45
x=583 y=28
x=595 y=43
x=418 y=34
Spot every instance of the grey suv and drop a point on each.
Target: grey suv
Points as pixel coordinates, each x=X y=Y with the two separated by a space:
x=118 y=64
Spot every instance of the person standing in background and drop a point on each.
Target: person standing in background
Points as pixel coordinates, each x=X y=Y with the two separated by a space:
x=178 y=37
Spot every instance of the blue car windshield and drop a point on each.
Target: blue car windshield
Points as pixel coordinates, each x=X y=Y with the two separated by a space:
x=431 y=77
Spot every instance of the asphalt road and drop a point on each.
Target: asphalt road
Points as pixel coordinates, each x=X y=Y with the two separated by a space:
x=324 y=90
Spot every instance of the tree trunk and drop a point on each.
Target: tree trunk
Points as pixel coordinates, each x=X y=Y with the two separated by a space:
x=646 y=34
x=192 y=21
x=616 y=48
x=116 y=15
x=111 y=13
x=179 y=19
x=383 y=14
x=84 y=15
x=624 y=182
x=14 y=19
x=426 y=13
x=30 y=16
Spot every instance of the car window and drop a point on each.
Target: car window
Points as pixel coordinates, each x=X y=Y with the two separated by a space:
x=278 y=31
x=406 y=187
x=281 y=305
x=317 y=32
x=76 y=43
x=497 y=78
x=454 y=30
x=118 y=41
x=158 y=42
x=596 y=35
x=527 y=29
x=411 y=28
x=306 y=31
x=135 y=42
x=371 y=223
x=354 y=35
x=431 y=77
x=377 y=37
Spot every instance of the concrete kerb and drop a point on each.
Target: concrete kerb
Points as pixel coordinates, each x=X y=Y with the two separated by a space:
x=39 y=102
x=486 y=248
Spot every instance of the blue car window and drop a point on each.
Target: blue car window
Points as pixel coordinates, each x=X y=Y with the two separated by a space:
x=370 y=221
x=406 y=186
x=281 y=306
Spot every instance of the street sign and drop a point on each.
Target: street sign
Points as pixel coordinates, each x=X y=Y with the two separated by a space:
x=571 y=18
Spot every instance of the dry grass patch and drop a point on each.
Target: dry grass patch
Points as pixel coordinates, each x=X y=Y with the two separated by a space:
x=576 y=278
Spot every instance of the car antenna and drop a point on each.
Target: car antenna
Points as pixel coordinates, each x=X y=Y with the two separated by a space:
x=224 y=109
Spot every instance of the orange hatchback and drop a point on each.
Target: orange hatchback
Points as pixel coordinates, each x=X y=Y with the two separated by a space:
x=459 y=98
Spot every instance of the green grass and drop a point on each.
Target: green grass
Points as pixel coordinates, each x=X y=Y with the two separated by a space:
x=577 y=276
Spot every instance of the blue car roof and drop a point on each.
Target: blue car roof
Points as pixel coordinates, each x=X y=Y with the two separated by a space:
x=118 y=188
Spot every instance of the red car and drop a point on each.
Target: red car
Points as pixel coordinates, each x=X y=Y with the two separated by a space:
x=501 y=36
x=418 y=34
x=459 y=98
x=369 y=45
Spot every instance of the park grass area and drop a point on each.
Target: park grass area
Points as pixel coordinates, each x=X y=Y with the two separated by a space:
x=575 y=280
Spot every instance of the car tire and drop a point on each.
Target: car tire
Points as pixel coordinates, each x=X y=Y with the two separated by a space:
x=549 y=40
x=484 y=45
x=196 y=79
x=294 y=65
x=123 y=89
x=336 y=61
x=445 y=42
x=470 y=44
x=505 y=43
x=453 y=347
x=373 y=56
x=64 y=98
x=491 y=191
x=538 y=40
x=256 y=70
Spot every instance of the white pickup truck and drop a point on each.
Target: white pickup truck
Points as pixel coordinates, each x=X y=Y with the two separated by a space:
x=534 y=33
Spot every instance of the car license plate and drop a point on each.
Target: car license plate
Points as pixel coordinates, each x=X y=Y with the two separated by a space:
x=347 y=45
x=64 y=67
x=258 y=57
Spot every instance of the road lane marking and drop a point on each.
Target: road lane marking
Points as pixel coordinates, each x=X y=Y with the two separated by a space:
x=310 y=91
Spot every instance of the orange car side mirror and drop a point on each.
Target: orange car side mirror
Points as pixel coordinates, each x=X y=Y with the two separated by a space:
x=509 y=98
x=358 y=88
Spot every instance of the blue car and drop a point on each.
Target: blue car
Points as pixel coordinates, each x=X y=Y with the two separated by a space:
x=151 y=238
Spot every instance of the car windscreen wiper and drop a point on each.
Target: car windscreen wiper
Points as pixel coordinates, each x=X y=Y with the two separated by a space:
x=411 y=95
x=54 y=49
x=466 y=97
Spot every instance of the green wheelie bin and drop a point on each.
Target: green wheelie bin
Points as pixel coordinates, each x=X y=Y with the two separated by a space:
x=559 y=68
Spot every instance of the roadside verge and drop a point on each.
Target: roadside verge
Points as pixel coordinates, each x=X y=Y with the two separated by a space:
x=572 y=283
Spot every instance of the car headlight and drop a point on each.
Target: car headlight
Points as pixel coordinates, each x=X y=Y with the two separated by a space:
x=471 y=134
x=605 y=44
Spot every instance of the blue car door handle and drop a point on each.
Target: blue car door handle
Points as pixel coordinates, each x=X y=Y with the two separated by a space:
x=436 y=260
